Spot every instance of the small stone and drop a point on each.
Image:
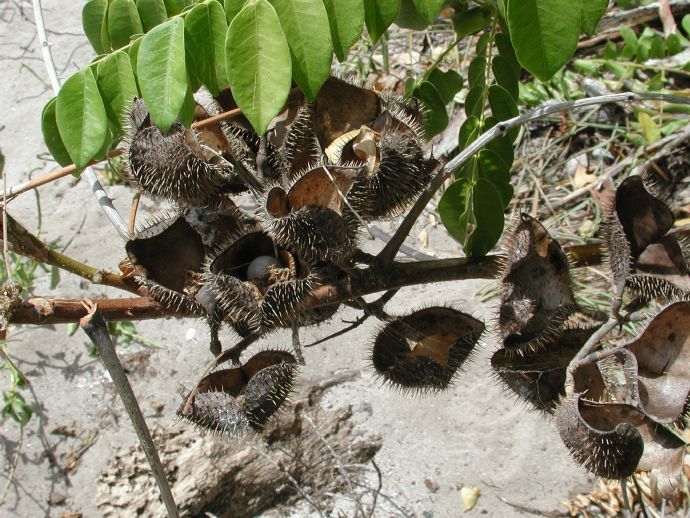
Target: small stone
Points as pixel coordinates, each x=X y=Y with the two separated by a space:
x=431 y=485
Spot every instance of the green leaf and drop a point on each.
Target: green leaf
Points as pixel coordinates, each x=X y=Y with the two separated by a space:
x=436 y=118
x=409 y=18
x=454 y=208
x=51 y=135
x=488 y=212
x=544 y=33
x=476 y=73
x=151 y=13
x=346 y=19
x=54 y=277
x=469 y=131
x=133 y=53
x=93 y=19
x=117 y=85
x=305 y=24
x=505 y=75
x=186 y=115
x=161 y=72
x=258 y=63
x=591 y=12
x=674 y=44
x=503 y=149
x=123 y=22
x=505 y=49
x=685 y=23
x=586 y=66
x=474 y=105
x=232 y=7
x=205 y=28
x=81 y=117
x=492 y=168
x=650 y=131
x=429 y=9
x=174 y=7
x=447 y=83
x=630 y=43
x=503 y=107
x=378 y=15
x=469 y=22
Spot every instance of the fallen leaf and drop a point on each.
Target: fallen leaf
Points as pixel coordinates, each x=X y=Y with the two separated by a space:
x=582 y=177
x=469 y=496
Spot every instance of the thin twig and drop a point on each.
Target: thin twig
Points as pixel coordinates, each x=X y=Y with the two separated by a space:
x=387 y=255
x=5 y=244
x=131 y=223
x=626 y=502
x=339 y=464
x=96 y=328
x=13 y=465
x=379 y=476
x=89 y=174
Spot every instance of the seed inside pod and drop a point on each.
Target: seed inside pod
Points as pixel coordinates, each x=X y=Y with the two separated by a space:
x=423 y=350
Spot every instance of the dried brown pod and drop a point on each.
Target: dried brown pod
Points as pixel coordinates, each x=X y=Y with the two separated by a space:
x=176 y=165
x=536 y=297
x=422 y=351
x=308 y=218
x=244 y=398
x=398 y=176
x=538 y=377
x=245 y=148
x=167 y=256
x=662 y=351
x=603 y=437
x=340 y=107
x=255 y=285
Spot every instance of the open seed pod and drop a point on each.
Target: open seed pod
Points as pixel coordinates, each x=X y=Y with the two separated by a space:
x=216 y=224
x=662 y=351
x=641 y=255
x=308 y=218
x=341 y=107
x=422 y=351
x=243 y=398
x=175 y=166
x=395 y=175
x=167 y=258
x=536 y=296
x=255 y=285
x=538 y=377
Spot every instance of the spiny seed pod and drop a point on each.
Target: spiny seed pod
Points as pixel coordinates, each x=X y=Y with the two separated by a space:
x=308 y=217
x=243 y=398
x=530 y=310
x=402 y=115
x=175 y=165
x=166 y=257
x=216 y=224
x=255 y=285
x=603 y=437
x=423 y=350
x=245 y=146
x=538 y=377
x=301 y=145
x=400 y=175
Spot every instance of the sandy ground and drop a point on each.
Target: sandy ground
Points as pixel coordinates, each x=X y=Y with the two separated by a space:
x=474 y=434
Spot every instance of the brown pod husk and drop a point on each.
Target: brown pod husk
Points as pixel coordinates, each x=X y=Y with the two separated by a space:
x=399 y=176
x=260 y=303
x=308 y=218
x=166 y=257
x=341 y=107
x=301 y=145
x=243 y=398
x=216 y=224
x=602 y=437
x=174 y=166
x=662 y=351
x=537 y=297
x=245 y=146
x=422 y=351
x=538 y=377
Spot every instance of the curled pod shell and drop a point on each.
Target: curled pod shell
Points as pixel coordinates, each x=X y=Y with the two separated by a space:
x=400 y=175
x=174 y=165
x=308 y=218
x=530 y=311
x=167 y=256
x=243 y=398
x=602 y=437
x=422 y=351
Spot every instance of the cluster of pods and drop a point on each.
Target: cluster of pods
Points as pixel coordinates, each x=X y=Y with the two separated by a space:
x=323 y=172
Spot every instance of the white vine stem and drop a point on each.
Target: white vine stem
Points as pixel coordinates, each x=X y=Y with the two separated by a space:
x=89 y=174
x=387 y=255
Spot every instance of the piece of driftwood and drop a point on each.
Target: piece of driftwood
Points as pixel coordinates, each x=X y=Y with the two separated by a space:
x=238 y=477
